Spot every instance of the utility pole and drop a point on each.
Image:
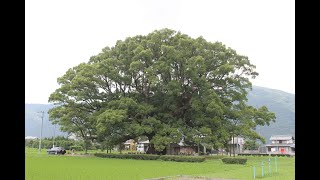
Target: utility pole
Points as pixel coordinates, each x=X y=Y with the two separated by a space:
x=41 y=131
x=54 y=132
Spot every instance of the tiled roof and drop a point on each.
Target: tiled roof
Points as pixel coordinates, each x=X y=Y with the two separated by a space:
x=288 y=145
x=281 y=137
x=129 y=141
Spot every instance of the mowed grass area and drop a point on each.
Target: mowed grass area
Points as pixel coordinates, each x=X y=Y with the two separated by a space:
x=43 y=166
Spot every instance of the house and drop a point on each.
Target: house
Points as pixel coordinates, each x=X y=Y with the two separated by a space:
x=181 y=148
x=236 y=144
x=130 y=145
x=142 y=146
x=172 y=149
x=177 y=149
x=281 y=144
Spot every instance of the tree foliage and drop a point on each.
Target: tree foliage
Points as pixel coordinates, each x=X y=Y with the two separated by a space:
x=251 y=145
x=166 y=86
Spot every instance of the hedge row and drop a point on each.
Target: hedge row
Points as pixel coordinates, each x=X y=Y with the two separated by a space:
x=152 y=157
x=234 y=160
x=247 y=154
x=136 y=153
x=214 y=157
x=182 y=158
x=288 y=155
x=129 y=156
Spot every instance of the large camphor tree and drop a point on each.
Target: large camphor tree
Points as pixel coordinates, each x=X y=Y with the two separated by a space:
x=166 y=86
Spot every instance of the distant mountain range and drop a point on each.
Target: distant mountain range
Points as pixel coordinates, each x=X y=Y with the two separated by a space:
x=279 y=102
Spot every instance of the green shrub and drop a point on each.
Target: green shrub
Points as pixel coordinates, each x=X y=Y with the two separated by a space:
x=136 y=153
x=129 y=156
x=279 y=155
x=77 y=148
x=182 y=158
x=234 y=160
x=254 y=154
x=152 y=157
x=214 y=157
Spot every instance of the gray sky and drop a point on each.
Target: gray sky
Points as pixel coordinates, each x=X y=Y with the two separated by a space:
x=60 y=34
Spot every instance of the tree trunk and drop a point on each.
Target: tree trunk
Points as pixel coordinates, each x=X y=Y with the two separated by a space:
x=120 y=150
x=230 y=147
x=85 y=148
x=234 y=153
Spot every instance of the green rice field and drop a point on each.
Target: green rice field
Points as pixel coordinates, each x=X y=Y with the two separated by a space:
x=45 y=167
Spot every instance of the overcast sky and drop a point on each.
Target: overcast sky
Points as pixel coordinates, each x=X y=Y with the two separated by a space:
x=60 y=34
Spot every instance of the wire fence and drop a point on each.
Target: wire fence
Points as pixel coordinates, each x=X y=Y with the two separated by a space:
x=267 y=168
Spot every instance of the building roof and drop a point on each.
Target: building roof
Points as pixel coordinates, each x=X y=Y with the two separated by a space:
x=281 y=137
x=144 y=142
x=287 y=145
x=129 y=141
x=30 y=137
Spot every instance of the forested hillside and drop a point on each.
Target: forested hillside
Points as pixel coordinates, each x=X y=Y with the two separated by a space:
x=279 y=102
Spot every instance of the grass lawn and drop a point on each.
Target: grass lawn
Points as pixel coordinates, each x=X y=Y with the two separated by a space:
x=43 y=166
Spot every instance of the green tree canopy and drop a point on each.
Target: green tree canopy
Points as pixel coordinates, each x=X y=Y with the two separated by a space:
x=164 y=85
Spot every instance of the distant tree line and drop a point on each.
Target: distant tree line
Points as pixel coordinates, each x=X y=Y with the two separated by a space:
x=47 y=143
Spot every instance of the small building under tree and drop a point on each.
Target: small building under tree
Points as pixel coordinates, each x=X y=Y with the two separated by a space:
x=130 y=145
x=236 y=144
x=181 y=149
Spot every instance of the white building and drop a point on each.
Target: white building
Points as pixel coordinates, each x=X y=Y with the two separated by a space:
x=281 y=144
x=142 y=146
x=30 y=138
x=237 y=144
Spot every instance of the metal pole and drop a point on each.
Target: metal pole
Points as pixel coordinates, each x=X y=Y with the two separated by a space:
x=275 y=161
x=41 y=131
x=54 y=134
x=269 y=168
x=254 y=172
x=262 y=170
